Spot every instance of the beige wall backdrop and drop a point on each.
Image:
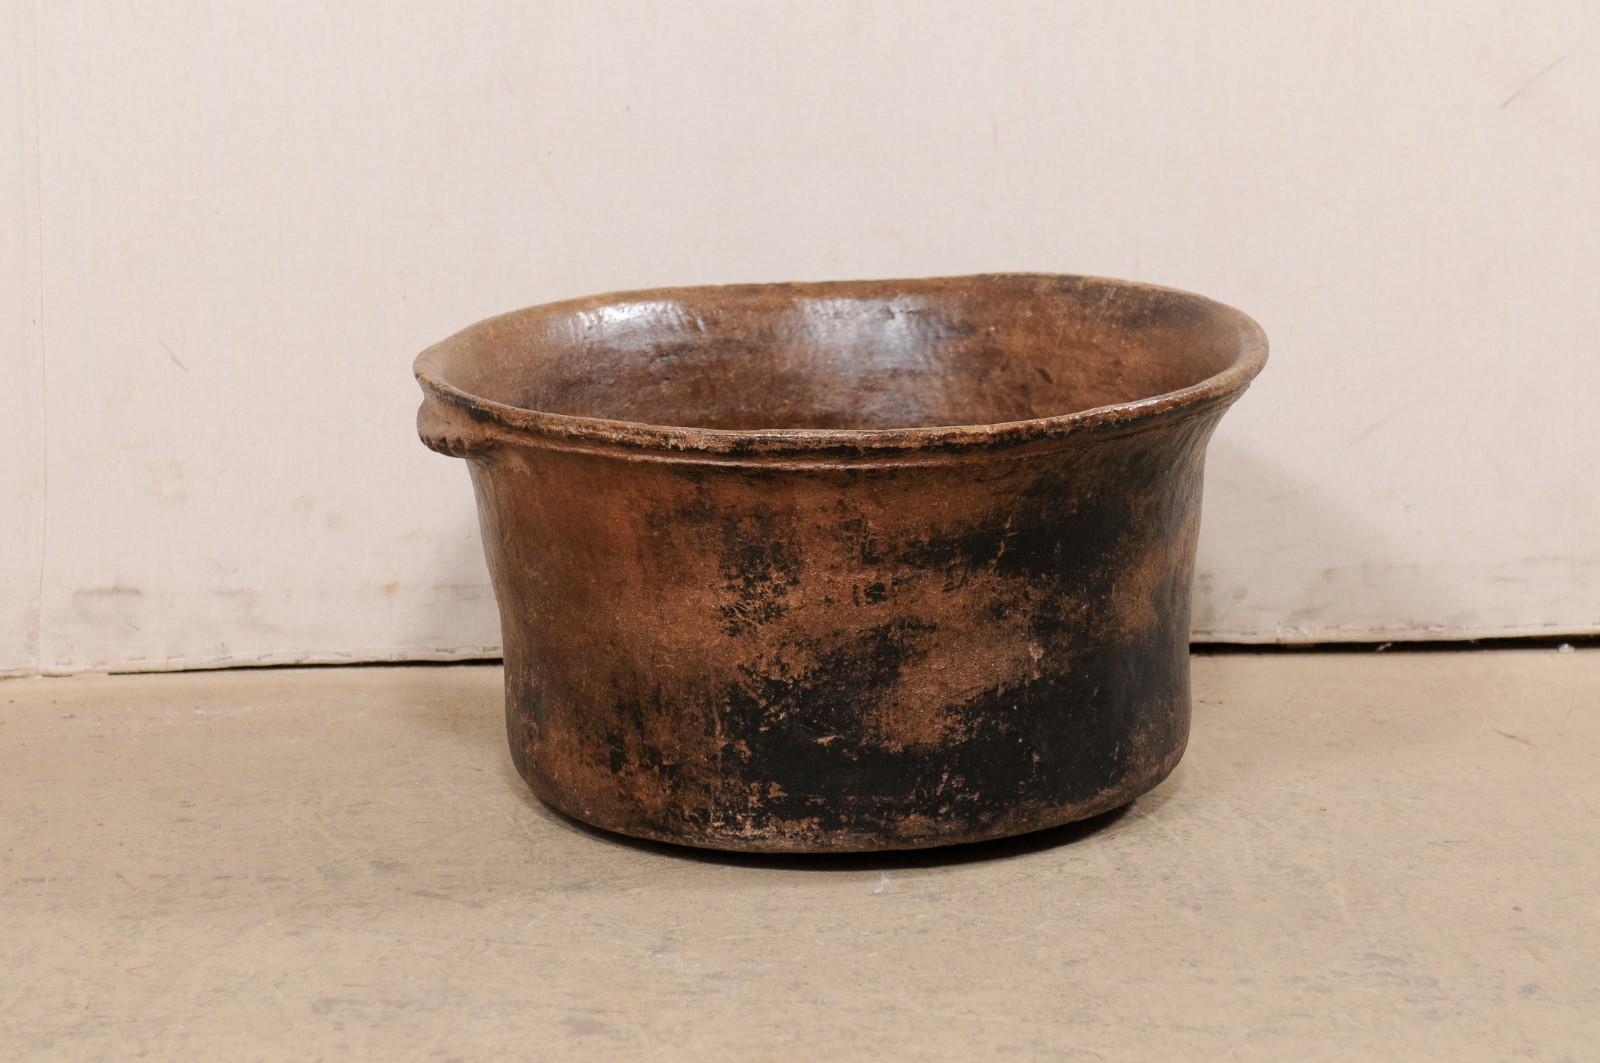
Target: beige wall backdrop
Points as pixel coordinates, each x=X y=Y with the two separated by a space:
x=226 y=228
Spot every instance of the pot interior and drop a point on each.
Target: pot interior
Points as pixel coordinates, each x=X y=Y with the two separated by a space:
x=852 y=355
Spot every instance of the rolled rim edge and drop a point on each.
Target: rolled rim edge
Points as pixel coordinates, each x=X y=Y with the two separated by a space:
x=538 y=427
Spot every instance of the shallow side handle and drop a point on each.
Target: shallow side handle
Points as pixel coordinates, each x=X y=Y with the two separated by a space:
x=451 y=430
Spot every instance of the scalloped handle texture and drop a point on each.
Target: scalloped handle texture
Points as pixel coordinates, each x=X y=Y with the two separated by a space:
x=450 y=430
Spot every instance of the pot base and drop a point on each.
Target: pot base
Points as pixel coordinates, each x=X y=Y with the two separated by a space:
x=912 y=832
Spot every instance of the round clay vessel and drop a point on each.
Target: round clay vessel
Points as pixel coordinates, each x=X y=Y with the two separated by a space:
x=843 y=566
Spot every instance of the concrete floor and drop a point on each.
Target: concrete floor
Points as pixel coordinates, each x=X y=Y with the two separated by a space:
x=1363 y=856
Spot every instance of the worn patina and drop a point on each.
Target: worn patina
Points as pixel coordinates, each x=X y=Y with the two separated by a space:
x=843 y=566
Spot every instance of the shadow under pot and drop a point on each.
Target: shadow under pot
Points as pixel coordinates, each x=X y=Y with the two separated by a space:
x=843 y=566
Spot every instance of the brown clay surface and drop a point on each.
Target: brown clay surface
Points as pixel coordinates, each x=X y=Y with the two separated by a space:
x=843 y=566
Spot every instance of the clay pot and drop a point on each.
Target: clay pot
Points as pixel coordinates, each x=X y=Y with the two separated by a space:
x=846 y=566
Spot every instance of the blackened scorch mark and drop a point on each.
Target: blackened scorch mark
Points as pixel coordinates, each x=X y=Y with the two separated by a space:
x=833 y=693
x=759 y=568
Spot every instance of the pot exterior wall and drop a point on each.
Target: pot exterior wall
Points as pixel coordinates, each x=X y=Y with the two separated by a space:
x=848 y=654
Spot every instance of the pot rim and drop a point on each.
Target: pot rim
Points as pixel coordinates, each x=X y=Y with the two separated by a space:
x=519 y=425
